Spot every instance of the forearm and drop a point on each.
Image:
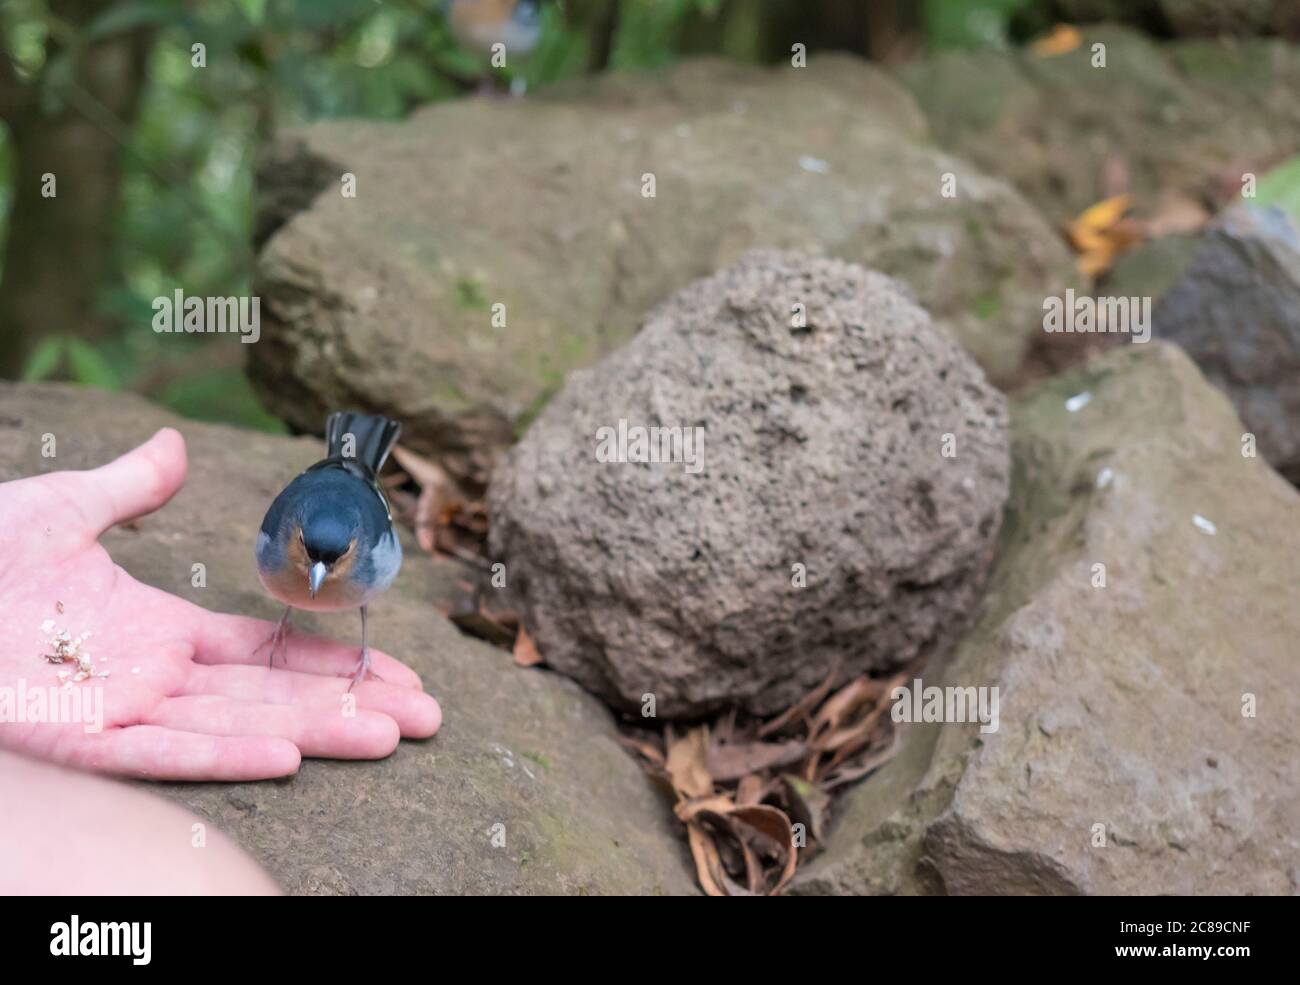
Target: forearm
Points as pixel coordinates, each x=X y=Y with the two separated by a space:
x=69 y=833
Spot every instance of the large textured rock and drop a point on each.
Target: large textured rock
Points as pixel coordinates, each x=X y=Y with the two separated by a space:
x=822 y=455
x=525 y=750
x=385 y=300
x=1187 y=117
x=1236 y=310
x=1120 y=707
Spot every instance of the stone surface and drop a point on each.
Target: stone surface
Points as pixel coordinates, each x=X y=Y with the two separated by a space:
x=1119 y=706
x=1151 y=268
x=1187 y=117
x=524 y=749
x=822 y=446
x=384 y=301
x=1236 y=311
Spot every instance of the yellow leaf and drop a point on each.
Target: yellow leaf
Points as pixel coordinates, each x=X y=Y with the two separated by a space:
x=1062 y=38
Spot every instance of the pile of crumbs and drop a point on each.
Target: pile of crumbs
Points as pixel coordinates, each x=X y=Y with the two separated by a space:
x=68 y=647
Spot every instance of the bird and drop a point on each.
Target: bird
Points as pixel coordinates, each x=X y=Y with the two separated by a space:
x=480 y=24
x=327 y=542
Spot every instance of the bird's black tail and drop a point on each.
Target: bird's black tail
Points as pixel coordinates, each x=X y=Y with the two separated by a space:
x=365 y=438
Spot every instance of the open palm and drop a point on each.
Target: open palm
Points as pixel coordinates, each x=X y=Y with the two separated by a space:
x=185 y=696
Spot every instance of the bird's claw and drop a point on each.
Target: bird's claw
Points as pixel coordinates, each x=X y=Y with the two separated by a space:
x=277 y=641
x=363 y=668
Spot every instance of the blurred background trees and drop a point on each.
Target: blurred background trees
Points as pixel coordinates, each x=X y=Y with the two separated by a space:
x=149 y=115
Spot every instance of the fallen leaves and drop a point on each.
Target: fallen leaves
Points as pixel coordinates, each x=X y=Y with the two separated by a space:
x=1101 y=232
x=755 y=796
x=1059 y=40
x=1107 y=228
x=447 y=522
x=468 y=611
x=525 y=650
x=444 y=519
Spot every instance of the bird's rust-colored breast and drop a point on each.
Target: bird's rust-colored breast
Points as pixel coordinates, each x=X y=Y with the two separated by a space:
x=290 y=583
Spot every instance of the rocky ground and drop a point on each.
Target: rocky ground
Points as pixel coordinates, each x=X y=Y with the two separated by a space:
x=1127 y=759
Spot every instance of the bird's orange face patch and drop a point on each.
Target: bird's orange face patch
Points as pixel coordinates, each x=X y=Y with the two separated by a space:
x=481 y=13
x=335 y=592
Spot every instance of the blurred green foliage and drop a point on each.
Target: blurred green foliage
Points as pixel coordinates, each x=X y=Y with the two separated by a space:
x=185 y=215
x=1281 y=187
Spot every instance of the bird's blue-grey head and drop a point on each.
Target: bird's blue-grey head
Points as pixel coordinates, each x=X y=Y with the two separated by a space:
x=321 y=527
x=329 y=527
x=327 y=542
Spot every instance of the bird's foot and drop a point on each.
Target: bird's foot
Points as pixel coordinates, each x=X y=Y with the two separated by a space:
x=363 y=668
x=278 y=641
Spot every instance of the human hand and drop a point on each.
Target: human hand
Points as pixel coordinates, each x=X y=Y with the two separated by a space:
x=185 y=697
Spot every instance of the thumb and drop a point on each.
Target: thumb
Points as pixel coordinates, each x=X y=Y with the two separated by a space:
x=132 y=485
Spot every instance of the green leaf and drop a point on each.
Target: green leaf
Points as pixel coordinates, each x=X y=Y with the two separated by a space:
x=1281 y=187
x=254 y=10
x=88 y=366
x=44 y=361
x=128 y=16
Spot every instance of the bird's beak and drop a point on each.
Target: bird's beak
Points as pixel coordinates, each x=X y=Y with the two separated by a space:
x=316 y=576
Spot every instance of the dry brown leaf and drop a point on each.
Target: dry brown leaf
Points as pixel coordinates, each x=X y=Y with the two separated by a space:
x=686 y=810
x=436 y=493
x=525 y=651
x=851 y=737
x=853 y=740
x=840 y=706
x=1059 y=40
x=734 y=761
x=804 y=706
x=645 y=748
x=708 y=864
x=687 y=763
x=848 y=774
x=750 y=790
x=739 y=816
x=768 y=833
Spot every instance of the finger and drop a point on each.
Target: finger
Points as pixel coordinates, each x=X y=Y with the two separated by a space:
x=137 y=483
x=151 y=752
x=417 y=714
x=320 y=730
x=227 y=639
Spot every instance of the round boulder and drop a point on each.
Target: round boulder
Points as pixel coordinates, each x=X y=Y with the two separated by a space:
x=788 y=468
